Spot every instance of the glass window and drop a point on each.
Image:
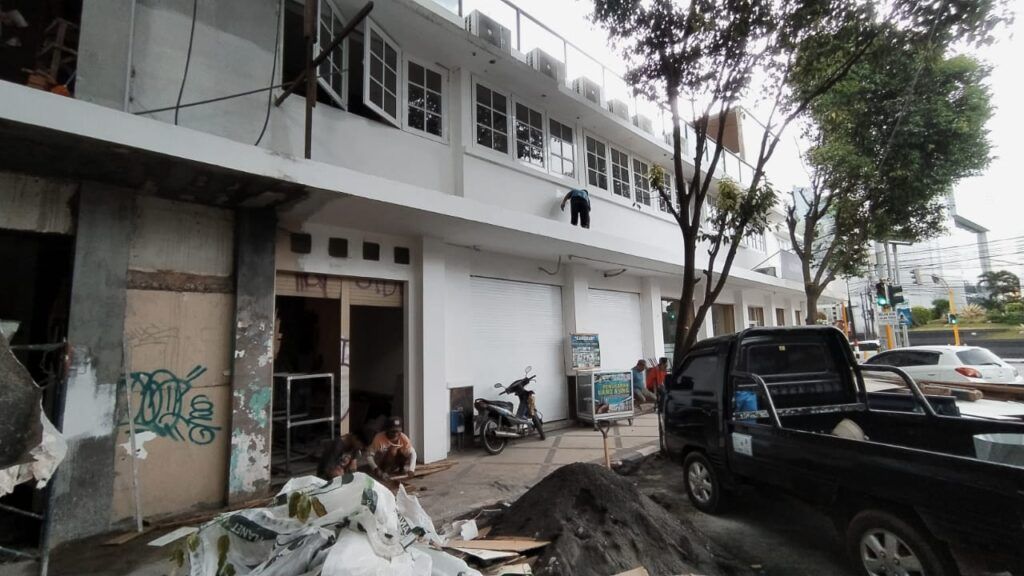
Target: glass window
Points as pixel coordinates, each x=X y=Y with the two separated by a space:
x=529 y=135
x=425 y=98
x=620 y=173
x=332 y=74
x=755 y=242
x=491 y=119
x=671 y=192
x=381 y=82
x=919 y=358
x=597 y=163
x=978 y=357
x=756 y=315
x=795 y=358
x=780 y=316
x=641 y=181
x=562 y=149
x=699 y=373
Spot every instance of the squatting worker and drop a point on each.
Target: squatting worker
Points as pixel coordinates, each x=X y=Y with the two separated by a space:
x=656 y=375
x=579 y=206
x=391 y=451
x=342 y=456
x=639 y=391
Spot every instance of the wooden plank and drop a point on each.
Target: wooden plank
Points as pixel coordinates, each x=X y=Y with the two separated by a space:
x=488 y=555
x=639 y=571
x=501 y=545
x=124 y=538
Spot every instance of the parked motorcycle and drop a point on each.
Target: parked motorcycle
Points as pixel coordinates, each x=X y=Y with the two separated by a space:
x=497 y=423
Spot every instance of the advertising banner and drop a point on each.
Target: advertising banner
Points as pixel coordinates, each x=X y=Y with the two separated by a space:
x=613 y=395
x=586 y=351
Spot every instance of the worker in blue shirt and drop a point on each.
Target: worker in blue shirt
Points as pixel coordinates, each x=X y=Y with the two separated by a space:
x=579 y=203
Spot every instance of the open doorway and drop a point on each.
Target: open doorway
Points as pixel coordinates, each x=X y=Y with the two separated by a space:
x=36 y=289
x=377 y=367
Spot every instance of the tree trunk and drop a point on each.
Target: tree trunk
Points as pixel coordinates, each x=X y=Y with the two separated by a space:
x=811 y=314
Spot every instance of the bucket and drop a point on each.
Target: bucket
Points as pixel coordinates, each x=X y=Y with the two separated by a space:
x=1002 y=448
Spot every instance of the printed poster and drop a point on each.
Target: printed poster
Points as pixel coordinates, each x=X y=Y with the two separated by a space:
x=586 y=351
x=613 y=395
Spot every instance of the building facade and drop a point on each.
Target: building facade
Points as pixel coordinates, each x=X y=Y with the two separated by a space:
x=418 y=256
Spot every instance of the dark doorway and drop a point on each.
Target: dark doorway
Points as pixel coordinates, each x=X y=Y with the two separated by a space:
x=377 y=372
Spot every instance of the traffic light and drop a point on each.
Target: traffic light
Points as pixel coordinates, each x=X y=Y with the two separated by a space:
x=896 y=294
x=881 y=294
x=950 y=318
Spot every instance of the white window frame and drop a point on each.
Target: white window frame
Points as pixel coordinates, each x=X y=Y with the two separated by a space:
x=371 y=29
x=514 y=137
x=629 y=173
x=340 y=99
x=509 y=120
x=443 y=138
x=586 y=162
x=757 y=242
x=752 y=321
x=574 y=157
x=645 y=178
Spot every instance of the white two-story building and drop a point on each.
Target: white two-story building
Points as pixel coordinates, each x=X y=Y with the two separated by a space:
x=418 y=256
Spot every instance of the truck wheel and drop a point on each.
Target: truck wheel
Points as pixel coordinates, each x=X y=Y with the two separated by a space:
x=702 y=484
x=881 y=544
x=492 y=443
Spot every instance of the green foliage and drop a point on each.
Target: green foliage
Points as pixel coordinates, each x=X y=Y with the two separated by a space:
x=1011 y=313
x=940 y=306
x=921 y=315
x=1002 y=285
x=738 y=212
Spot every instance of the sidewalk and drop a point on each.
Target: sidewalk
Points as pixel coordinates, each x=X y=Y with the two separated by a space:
x=476 y=480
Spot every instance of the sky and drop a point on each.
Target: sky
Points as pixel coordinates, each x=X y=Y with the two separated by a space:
x=993 y=199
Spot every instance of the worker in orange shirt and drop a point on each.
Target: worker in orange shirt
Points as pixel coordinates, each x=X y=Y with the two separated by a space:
x=656 y=375
x=391 y=451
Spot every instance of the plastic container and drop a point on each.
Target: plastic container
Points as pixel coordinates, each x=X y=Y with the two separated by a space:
x=1002 y=448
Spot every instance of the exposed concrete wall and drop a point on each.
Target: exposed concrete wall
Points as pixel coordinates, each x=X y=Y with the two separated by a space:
x=36 y=204
x=104 y=52
x=252 y=373
x=84 y=482
x=182 y=237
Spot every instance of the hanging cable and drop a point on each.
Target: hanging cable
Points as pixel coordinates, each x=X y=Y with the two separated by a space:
x=188 y=59
x=273 y=72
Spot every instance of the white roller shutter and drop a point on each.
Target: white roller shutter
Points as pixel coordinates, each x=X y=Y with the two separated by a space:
x=615 y=316
x=518 y=324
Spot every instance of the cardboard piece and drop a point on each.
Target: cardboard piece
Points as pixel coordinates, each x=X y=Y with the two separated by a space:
x=174 y=535
x=487 y=555
x=638 y=571
x=500 y=545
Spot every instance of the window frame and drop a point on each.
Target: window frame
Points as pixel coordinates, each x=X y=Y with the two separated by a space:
x=586 y=162
x=514 y=136
x=340 y=99
x=368 y=31
x=509 y=137
x=753 y=322
x=634 y=160
x=574 y=157
x=629 y=173
x=444 y=137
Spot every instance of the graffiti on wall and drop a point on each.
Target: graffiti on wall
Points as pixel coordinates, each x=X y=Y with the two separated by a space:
x=163 y=409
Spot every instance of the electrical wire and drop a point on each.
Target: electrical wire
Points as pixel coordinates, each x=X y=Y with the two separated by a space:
x=212 y=100
x=273 y=72
x=188 y=60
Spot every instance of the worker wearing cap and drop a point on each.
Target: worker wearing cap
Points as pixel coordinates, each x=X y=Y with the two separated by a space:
x=391 y=451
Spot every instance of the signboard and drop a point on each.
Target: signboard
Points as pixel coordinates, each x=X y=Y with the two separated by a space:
x=888 y=318
x=586 y=351
x=613 y=395
x=905 y=317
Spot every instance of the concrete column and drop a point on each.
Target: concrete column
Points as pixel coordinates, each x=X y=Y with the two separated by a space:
x=83 y=486
x=252 y=380
x=772 y=303
x=742 y=315
x=104 y=52
x=652 y=335
x=435 y=395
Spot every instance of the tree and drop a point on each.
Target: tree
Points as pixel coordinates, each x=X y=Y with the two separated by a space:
x=889 y=141
x=711 y=51
x=941 y=307
x=1002 y=286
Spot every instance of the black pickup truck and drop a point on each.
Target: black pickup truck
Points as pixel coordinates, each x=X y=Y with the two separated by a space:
x=898 y=473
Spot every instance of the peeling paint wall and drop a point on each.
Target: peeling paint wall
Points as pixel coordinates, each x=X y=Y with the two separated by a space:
x=36 y=204
x=178 y=318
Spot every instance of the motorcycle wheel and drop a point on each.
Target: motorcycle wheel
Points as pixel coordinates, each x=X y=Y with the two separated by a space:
x=492 y=443
x=539 y=425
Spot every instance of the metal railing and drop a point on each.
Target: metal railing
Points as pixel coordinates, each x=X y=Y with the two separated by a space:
x=576 y=61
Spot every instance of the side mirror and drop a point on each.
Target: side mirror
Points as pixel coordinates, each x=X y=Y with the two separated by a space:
x=498 y=385
x=528 y=370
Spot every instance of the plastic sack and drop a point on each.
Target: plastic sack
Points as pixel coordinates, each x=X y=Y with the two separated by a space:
x=46 y=456
x=352 y=555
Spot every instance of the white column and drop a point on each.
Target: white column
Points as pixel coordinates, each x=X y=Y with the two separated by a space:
x=707 y=329
x=653 y=338
x=434 y=389
x=575 y=306
x=773 y=303
x=742 y=316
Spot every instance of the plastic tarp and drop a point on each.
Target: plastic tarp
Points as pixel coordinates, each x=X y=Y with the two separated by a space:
x=351 y=526
x=44 y=459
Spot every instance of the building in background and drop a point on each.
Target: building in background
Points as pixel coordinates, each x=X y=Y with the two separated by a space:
x=416 y=258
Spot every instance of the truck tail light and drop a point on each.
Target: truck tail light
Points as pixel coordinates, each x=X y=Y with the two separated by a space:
x=968 y=371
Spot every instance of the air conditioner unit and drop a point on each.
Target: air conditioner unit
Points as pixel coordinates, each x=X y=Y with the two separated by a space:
x=644 y=123
x=486 y=28
x=619 y=108
x=546 y=64
x=588 y=88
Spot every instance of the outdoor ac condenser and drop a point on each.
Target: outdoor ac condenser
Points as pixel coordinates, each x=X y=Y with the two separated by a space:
x=486 y=28
x=644 y=123
x=546 y=64
x=588 y=88
x=619 y=108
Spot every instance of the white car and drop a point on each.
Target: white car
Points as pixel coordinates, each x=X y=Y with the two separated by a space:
x=964 y=364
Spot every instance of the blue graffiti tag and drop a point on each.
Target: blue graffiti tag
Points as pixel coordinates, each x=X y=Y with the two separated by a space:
x=161 y=407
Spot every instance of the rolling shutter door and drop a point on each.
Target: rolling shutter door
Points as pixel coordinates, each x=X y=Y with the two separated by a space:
x=518 y=324
x=615 y=316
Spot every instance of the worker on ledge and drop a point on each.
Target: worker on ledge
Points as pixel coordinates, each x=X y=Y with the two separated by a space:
x=391 y=451
x=579 y=204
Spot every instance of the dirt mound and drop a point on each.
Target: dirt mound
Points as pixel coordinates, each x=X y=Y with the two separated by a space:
x=600 y=524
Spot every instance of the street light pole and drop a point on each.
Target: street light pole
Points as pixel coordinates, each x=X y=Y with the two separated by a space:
x=952 y=306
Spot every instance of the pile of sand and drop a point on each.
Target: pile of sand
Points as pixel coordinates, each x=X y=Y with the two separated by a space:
x=600 y=524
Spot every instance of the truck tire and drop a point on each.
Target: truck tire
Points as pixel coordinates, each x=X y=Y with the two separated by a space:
x=880 y=543
x=702 y=483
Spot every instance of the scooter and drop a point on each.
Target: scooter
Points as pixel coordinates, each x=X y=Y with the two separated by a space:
x=496 y=421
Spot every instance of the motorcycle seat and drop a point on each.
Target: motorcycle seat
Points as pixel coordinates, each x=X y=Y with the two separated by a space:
x=501 y=403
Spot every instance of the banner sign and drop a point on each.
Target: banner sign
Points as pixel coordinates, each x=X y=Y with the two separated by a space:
x=586 y=351
x=613 y=395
